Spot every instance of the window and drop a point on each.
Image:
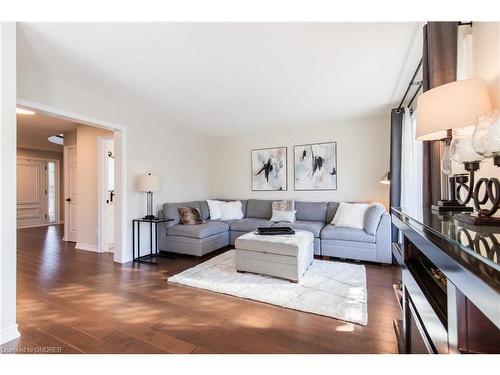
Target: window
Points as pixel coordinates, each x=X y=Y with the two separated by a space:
x=411 y=163
x=51 y=191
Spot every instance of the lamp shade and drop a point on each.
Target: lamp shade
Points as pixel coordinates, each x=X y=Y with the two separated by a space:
x=450 y=106
x=148 y=182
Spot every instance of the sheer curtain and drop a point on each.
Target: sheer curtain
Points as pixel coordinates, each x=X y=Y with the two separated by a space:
x=411 y=163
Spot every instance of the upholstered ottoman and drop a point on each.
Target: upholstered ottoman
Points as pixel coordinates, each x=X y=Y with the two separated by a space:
x=284 y=256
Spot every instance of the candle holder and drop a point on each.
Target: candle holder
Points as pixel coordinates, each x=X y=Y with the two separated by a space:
x=481 y=216
x=485 y=143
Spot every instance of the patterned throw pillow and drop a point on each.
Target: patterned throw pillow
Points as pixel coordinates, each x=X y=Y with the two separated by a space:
x=190 y=216
x=284 y=205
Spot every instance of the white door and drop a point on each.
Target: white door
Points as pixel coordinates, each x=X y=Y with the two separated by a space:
x=31 y=193
x=70 y=200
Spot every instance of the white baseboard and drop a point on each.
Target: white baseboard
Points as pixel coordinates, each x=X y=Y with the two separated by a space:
x=39 y=225
x=87 y=247
x=9 y=334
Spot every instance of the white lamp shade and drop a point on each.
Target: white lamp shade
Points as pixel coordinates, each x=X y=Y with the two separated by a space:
x=148 y=182
x=450 y=106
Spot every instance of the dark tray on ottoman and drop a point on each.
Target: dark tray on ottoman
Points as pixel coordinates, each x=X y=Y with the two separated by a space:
x=275 y=231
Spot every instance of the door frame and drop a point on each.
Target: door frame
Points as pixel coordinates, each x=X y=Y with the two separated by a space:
x=58 y=190
x=102 y=230
x=121 y=253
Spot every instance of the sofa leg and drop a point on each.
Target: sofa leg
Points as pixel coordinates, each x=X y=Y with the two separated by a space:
x=325 y=257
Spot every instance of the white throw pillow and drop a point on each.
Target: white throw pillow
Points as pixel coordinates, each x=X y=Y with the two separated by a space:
x=281 y=215
x=231 y=210
x=350 y=215
x=214 y=208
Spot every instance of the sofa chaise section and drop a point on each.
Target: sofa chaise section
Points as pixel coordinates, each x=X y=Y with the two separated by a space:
x=195 y=240
x=356 y=244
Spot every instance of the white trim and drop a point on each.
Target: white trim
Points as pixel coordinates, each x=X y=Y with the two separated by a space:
x=40 y=225
x=67 y=115
x=102 y=230
x=9 y=334
x=87 y=247
x=8 y=182
x=121 y=253
x=123 y=227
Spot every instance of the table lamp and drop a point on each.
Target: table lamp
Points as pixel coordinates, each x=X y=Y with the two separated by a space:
x=386 y=178
x=444 y=108
x=149 y=183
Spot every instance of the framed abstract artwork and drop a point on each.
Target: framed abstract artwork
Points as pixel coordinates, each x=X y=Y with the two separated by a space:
x=269 y=169
x=315 y=166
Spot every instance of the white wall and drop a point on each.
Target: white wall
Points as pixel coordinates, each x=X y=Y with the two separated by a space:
x=362 y=150
x=8 y=326
x=486 y=65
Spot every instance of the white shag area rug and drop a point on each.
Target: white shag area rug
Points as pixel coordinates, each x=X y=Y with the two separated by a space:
x=333 y=289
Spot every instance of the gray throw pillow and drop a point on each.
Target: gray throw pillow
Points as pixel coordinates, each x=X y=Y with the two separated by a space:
x=372 y=218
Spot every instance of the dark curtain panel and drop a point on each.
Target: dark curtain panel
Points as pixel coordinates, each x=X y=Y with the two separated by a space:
x=395 y=189
x=439 y=67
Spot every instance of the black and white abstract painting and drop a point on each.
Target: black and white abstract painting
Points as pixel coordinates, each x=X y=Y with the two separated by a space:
x=315 y=166
x=269 y=169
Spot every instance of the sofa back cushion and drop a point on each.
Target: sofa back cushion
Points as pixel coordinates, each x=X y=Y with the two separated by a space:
x=259 y=208
x=171 y=211
x=372 y=218
x=204 y=211
x=331 y=211
x=311 y=211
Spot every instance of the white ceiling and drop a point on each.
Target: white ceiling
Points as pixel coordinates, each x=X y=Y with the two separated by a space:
x=232 y=78
x=33 y=131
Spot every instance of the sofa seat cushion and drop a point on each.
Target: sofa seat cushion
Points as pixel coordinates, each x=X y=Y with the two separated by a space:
x=207 y=229
x=311 y=226
x=228 y=222
x=249 y=224
x=332 y=232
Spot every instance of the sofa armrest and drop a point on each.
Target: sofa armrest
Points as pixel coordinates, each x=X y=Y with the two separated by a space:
x=383 y=239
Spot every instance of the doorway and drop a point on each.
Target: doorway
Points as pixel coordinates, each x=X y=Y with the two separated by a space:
x=116 y=241
x=38 y=191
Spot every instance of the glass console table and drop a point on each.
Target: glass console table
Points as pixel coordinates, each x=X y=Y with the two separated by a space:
x=450 y=287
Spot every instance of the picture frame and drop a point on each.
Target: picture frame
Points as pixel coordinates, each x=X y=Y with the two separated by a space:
x=315 y=166
x=269 y=169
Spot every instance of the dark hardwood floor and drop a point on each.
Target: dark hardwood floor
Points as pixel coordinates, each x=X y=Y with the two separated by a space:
x=74 y=301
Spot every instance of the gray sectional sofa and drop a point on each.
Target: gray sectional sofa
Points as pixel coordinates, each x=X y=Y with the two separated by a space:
x=329 y=240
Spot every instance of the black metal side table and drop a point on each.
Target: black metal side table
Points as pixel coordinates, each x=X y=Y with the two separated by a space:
x=153 y=246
